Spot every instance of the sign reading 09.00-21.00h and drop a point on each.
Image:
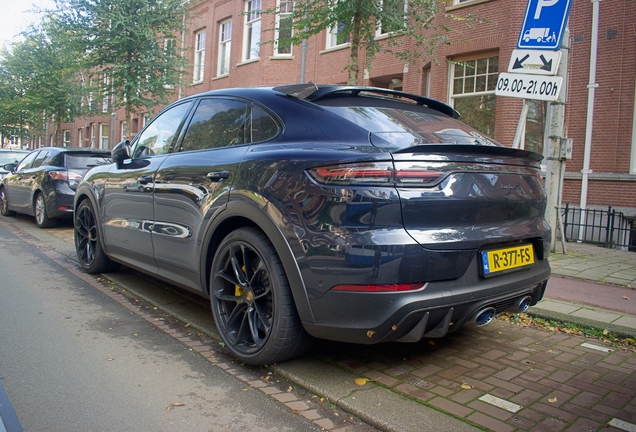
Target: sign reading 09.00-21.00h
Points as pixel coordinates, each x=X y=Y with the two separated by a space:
x=536 y=60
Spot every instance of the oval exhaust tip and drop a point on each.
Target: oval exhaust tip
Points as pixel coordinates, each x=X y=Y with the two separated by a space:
x=484 y=316
x=524 y=304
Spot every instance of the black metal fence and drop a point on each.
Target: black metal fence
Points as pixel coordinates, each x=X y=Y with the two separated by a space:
x=609 y=228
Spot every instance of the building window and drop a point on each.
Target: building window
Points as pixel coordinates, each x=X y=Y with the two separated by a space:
x=284 y=28
x=339 y=35
x=535 y=126
x=66 y=138
x=124 y=130
x=632 y=166
x=225 y=47
x=396 y=21
x=199 y=57
x=80 y=137
x=93 y=135
x=252 y=35
x=103 y=136
x=472 y=91
x=426 y=81
x=106 y=94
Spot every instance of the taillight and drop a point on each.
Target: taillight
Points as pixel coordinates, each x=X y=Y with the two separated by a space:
x=379 y=288
x=69 y=176
x=378 y=174
x=403 y=174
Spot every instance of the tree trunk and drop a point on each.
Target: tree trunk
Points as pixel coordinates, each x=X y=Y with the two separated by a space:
x=355 y=48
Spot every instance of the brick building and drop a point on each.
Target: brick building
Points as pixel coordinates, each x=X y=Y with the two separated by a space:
x=222 y=39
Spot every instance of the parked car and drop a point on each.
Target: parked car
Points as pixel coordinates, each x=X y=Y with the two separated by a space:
x=8 y=156
x=43 y=184
x=354 y=214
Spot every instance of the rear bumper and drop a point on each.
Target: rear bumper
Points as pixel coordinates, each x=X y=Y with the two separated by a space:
x=433 y=311
x=60 y=204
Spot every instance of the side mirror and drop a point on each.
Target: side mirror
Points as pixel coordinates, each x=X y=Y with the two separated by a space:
x=120 y=153
x=10 y=167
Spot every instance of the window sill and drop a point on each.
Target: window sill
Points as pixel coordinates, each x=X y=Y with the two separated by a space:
x=221 y=77
x=466 y=4
x=196 y=83
x=254 y=60
x=335 y=48
x=282 y=57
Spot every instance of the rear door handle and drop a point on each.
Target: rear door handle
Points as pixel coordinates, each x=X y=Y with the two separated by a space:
x=218 y=175
x=145 y=179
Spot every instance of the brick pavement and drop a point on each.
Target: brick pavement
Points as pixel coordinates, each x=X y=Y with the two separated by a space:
x=505 y=378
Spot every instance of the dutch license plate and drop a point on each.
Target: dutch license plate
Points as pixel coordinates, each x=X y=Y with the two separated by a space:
x=498 y=260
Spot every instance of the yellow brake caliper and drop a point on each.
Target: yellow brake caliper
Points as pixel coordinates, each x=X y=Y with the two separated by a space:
x=238 y=291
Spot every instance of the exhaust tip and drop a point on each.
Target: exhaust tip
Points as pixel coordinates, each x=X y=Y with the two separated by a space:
x=484 y=316
x=524 y=304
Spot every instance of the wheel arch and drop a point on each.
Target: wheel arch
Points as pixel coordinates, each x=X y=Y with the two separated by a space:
x=239 y=214
x=82 y=194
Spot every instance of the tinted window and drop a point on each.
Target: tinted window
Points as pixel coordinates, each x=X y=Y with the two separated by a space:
x=159 y=136
x=406 y=127
x=263 y=126
x=216 y=123
x=82 y=161
x=26 y=163
x=38 y=161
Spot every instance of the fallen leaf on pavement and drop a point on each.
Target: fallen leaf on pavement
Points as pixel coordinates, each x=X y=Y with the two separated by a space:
x=552 y=400
x=625 y=297
x=177 y=404
x=467 y=386
x=360 y=381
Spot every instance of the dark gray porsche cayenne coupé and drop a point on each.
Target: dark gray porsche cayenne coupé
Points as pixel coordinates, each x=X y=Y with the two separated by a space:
x=354 y=214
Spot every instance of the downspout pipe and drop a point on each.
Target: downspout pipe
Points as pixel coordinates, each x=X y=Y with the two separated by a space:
x=590 y=106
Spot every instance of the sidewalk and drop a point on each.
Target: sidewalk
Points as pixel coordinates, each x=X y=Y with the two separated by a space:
x=592 y=286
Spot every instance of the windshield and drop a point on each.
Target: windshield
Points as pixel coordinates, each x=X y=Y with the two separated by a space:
x=405 y=127
x=11 y=157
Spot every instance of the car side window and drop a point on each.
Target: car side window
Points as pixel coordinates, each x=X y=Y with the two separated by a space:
x=263 y=125
x=38 y=160
x=216 y=123
x=159 y=136
x=26 y=162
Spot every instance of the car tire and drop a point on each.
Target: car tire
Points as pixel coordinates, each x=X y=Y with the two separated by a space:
x=252 y=302
x=4 y=204
x=88 y=245
x=41 y=216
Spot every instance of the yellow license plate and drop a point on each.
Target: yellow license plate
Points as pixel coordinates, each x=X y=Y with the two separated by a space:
x=498 y=260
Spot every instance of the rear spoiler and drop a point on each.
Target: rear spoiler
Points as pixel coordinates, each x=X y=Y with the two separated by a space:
x=314 y=93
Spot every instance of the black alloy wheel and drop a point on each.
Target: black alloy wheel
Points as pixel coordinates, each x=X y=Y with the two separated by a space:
x=4 y=204
x=87 y=242
x=41 y=216
x=252 y=302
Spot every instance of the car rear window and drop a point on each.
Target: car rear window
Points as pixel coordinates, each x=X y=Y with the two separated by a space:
x=414 y=126
x=11 y=157
x=85 y=161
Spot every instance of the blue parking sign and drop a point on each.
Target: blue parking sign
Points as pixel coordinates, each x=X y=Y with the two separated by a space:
x=544 y=24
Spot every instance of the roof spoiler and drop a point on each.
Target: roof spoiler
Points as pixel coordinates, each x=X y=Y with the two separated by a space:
x=312 y=92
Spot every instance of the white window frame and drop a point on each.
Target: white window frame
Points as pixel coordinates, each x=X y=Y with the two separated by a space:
x=199 y=57
x=105 y=99
x=66 y=138
x=80 y=137
x=332 y=38
x=103 y=137
x=93 y=135
x=124 y=130
x=285 y=9
x=252 y=30
x=632 y=166
x=451 y=78
x=225 y=48
x=378 y=31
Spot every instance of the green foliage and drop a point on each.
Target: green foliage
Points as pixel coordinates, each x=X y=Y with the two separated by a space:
x=129 y=47
x=37 y=81
x=408 y=29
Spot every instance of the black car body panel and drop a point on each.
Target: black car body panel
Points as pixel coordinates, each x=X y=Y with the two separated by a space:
x=384 y=213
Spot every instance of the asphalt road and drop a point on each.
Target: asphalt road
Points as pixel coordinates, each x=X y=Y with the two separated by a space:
x=72 y=359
